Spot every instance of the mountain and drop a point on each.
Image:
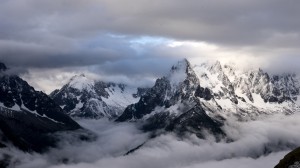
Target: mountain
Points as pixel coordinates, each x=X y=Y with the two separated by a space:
x=291 y=160
x=248 y=94
x=171 y=104
x=199 y=98
x=27 y=116
x=86 y=98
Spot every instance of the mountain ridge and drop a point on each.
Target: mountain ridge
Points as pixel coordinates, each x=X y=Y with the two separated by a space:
x=86 y=98
x=28 y=116
x=215 y=90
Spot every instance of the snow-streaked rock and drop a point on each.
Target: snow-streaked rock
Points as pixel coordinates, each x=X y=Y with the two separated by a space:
x=27 y=117
x=87 y=98
x=218 y=90
x=81 y=83
x=247 y=94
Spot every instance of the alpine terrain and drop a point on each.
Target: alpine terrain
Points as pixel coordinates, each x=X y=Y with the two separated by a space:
x=199 y=98
x=28 y=116
x=86 y=98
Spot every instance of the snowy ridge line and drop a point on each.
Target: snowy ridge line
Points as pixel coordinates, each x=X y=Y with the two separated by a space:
x=7 y=112
x=222 y=90
x=82 y=97
x=23 y=108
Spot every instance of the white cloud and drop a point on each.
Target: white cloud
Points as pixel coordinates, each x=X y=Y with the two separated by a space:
x=256 y=144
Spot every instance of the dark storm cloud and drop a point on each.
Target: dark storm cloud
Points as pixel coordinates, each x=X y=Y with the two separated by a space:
x=43 y=31
x=225 y=22
x=31 y=54
x=108 y=34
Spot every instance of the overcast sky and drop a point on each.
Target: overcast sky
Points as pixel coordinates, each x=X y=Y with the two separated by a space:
x=51 y=40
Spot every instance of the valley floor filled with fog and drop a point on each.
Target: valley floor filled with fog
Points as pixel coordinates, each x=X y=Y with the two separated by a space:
x=258 y=144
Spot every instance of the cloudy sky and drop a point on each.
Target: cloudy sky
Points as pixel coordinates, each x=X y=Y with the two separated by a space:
x=49 y=41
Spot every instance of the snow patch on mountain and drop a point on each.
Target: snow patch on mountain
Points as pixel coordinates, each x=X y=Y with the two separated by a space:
x=255 y=88
x=87 y=98
x=120 y=96
x=219 y=90
x=81 y=83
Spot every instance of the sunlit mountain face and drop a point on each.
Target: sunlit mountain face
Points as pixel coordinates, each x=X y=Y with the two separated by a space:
x=132 y=83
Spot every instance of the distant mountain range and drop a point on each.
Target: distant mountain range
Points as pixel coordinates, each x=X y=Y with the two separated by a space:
x=191 y=98
x=199 y=98
x=86 y=98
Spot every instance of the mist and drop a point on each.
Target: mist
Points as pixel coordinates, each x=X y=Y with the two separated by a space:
x=259 y=144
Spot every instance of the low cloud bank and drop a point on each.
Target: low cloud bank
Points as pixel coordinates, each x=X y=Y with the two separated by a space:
x=257 y=144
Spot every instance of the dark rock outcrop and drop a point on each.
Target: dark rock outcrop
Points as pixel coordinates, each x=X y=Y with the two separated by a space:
x=291 y=160
x=28 y=117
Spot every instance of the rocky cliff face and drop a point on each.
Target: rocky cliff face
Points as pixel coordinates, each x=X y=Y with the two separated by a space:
x=86 y=98
x=171 y=104
x=28 y=116
x=199 y=98
x=291 y=160
x=178 y=87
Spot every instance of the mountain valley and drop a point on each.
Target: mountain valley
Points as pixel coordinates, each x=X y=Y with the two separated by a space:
x=209 y=103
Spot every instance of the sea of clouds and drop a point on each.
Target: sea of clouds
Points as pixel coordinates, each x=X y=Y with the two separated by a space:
x=258 y=144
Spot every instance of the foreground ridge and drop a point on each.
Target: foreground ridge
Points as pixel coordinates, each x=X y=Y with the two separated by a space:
x=28 y=116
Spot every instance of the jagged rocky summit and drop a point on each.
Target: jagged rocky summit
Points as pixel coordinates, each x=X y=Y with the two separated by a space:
x=86 y=98
x=199 y=98
x=27 y=116
x=191 y=98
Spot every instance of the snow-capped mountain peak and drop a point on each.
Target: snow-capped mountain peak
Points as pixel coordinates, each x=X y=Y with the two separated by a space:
x=81 y=82
x=84 y=97
x=28 y=116
x=218 y=90
x=216 y=67
x=178 y=72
